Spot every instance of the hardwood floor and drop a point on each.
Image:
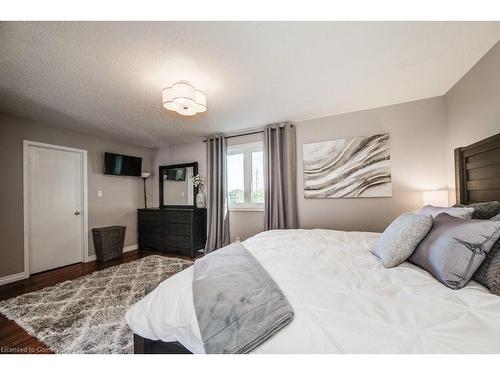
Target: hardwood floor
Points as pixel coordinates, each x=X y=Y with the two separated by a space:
x=14 y=339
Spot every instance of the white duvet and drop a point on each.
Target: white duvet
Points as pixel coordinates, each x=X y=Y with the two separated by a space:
x=345 y=301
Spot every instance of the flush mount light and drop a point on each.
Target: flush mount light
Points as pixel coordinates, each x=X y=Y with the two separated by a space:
x=184 y=99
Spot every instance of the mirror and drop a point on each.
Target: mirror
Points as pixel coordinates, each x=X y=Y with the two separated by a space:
x=176 y=185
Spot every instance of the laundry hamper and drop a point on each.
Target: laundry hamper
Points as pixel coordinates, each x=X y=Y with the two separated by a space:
x=108 y=242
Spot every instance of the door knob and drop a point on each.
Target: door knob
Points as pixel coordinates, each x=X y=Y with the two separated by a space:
x=77 y=213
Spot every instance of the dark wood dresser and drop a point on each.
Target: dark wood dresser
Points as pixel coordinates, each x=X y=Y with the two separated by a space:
x=180 y=231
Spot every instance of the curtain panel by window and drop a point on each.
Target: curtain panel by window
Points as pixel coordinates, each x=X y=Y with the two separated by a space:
x=217 y=210
x=280 y=169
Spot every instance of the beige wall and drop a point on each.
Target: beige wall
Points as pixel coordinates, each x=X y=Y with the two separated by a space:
x=159 y=157
x=121 y=195
x=417 y=131
x=244 y=224
x=473 y=107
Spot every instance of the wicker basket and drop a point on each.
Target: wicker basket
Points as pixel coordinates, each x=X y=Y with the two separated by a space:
x=108 y=242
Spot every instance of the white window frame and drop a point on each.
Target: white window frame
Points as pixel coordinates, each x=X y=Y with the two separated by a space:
x=246 y=149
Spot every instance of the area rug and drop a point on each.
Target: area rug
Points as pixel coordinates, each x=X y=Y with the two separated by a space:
x=87 y=315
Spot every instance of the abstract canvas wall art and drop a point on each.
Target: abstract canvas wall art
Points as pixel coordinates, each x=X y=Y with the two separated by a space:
x=348 y=168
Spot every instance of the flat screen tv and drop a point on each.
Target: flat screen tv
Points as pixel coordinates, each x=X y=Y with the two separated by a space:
x=122 y=165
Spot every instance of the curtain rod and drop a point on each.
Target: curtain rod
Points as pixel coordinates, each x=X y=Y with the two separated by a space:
x=242 y=134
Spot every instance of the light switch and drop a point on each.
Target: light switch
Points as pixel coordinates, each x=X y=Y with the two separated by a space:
x=99 y=193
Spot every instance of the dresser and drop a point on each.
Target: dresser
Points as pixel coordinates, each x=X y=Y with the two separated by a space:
x=172 y=230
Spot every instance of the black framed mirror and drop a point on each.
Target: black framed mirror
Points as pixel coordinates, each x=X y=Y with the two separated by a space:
x=176 y=185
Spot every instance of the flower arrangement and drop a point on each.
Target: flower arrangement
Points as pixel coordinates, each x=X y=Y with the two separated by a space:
x=198 y=180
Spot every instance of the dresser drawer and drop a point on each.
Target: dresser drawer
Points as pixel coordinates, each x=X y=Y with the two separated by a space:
x=149 y=215
x=172 y=230
x=149 y=222
x=151 y=241
x=178 y=229
x=177 y=243
x=179 y=216
x=150 y=227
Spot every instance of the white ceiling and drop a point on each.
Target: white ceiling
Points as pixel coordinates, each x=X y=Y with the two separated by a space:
x=106 y=77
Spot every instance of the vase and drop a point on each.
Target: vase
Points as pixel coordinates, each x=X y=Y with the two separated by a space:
x=200 y=199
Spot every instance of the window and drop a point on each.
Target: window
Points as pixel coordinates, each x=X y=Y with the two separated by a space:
x=245 y=176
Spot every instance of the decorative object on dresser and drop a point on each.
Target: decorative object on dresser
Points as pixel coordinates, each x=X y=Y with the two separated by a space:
x=198 y=182
x=173 y=230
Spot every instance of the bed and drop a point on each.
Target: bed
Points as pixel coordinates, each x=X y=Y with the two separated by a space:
x=344 y=300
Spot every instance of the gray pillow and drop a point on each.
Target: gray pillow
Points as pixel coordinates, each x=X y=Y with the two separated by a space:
x=488 y=273
x=461 y=212
x=483 y=211
x=455 y=248
x=401 y=238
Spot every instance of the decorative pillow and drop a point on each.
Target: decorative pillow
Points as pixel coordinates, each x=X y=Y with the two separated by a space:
x=488 y=273
x=455 y=248
x=401 y=238
x=483 y=211
x=461 y=212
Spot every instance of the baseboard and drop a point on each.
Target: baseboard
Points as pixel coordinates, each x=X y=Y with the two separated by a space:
x=130 y=248
x=14 y=277
x=126 y=249
x=25 y=275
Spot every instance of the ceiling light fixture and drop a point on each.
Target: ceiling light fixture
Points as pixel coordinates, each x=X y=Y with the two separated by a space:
x=184 y=99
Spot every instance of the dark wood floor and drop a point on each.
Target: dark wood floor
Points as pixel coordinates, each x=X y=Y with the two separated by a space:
x=14 y=339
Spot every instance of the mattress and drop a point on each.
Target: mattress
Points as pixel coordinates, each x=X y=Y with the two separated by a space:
x=345 y=301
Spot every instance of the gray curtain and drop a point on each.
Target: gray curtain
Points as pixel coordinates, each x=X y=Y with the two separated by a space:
x=217 y=212
x=280 y=168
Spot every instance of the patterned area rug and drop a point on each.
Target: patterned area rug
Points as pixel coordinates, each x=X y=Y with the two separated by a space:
x=87 y=315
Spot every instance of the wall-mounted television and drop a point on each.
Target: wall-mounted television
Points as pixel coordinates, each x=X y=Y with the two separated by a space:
x=122 y=165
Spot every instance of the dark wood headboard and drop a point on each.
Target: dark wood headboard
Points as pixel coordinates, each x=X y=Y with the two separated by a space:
x=477 y=171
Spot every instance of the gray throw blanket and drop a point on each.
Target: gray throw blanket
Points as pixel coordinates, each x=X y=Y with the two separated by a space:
x=237 y=303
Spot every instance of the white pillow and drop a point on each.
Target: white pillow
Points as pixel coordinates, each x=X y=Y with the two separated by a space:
x=460 y=212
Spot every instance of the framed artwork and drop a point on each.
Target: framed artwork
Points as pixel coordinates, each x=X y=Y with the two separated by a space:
x=354 y=167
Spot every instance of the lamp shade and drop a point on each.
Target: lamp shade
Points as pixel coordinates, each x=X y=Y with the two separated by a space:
x=145 y=174
x=436 y=198
x=184 y=99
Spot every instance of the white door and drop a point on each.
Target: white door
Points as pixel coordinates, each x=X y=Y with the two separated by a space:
x=55 y=207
